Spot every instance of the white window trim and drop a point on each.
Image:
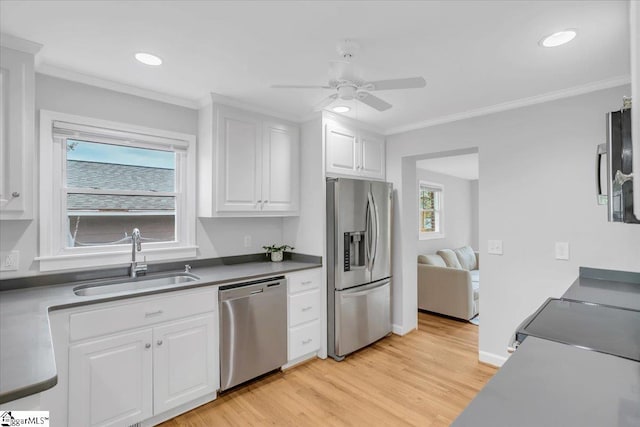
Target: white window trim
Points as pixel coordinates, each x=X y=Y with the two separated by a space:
x=53 y=255
x=439 y=234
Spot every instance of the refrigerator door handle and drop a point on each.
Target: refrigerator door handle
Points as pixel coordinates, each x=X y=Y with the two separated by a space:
x=367 y=235
x=372 y=231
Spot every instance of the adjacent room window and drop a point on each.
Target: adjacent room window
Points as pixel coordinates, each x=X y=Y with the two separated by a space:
x=430 y=210
x=112 y=178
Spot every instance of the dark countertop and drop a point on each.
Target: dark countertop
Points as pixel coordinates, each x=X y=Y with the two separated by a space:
x=545 y=383
x=27 y=363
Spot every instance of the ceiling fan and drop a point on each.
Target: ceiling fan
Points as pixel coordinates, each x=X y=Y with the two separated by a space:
x=346 y=80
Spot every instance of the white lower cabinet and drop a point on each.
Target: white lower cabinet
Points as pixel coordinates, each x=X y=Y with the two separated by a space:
x=124 y=377
x=183 y=358
x=110 y=380
x=304 y=314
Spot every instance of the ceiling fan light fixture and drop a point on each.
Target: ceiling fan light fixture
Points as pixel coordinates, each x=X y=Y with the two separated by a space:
x=148 y=59
x=558 y=38
x=341 y=109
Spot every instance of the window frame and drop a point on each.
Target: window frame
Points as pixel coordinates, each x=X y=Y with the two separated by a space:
x=439 y=188
x=54 y=253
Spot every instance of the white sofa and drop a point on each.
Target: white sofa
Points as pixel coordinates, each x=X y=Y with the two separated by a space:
x=449 y=282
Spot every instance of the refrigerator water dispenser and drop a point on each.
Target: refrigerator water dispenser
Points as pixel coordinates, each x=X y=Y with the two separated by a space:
x=353 y=250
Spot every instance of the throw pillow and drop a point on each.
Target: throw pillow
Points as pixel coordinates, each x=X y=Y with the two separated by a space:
x=467 y=257
x=434 y=260
x=449 y=258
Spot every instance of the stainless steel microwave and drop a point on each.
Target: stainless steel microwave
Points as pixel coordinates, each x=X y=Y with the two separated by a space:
x=614 y=173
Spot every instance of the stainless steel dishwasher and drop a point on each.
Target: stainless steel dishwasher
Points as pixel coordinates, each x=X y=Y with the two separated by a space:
x=253 y=329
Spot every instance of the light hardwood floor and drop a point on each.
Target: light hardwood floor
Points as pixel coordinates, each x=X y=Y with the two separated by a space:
x=425 y=378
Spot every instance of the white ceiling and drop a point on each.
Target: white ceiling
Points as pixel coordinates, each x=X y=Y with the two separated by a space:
x=464 y=166
x=473 y=54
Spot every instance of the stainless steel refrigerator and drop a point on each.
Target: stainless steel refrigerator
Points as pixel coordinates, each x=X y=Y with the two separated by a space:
x=359 y=217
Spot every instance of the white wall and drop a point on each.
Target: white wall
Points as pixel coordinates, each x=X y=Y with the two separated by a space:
x=537 y=188
x=457 y=215
x=475 y=218
x=306 y=232
x=216 y=237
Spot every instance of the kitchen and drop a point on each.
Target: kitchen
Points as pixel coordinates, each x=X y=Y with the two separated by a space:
x=518 y=282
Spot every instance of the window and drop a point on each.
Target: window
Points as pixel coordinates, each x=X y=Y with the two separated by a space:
x=430 y=208
x=112 y=178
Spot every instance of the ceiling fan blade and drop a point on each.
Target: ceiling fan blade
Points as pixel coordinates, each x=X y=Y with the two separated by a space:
x=373 y=101
x=299 y=87
x=408 y=83
x=325 y=102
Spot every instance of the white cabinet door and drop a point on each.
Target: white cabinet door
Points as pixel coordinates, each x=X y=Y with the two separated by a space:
x=280 y=164
x=372 y=156
x=341 y=148
x=17 y=86
x=239 y=161
x=186 y=363
x=110 y=380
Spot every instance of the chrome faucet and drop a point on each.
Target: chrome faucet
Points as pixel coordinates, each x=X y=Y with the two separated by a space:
x=136 y=245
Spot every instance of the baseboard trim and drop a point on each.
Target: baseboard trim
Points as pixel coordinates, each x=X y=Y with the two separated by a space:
x=399 y=330
x=491 y=358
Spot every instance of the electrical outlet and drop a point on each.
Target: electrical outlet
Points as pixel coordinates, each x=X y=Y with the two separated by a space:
x=10 y=261
x=247 y=241
x=562 y=250
x=495 y=247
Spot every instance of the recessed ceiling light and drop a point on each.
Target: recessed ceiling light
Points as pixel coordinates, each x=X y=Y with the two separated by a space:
x=341 y=109
x=148 y=59
x=559 y=38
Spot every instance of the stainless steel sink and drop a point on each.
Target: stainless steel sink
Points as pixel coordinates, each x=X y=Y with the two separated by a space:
x=129 y=284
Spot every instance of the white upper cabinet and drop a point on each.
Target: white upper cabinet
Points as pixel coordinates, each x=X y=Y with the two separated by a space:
x=341 y=143
x=280 y=167
x=238 y=156
x=353 y=152
x=17 y=116
x=373 y=155
x=248 y=164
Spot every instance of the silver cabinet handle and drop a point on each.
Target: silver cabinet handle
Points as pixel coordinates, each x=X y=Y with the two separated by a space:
x=15 y=194
x=308 y=282
x=307 y=308
x=259 y=201
x=159 y=342
x=153 y=313
x=307 y=341
x=147 y=345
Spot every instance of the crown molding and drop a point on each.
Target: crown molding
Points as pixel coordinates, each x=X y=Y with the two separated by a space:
x=216 y=98
x=16 y=43
x=518 y=103
x=62 y=73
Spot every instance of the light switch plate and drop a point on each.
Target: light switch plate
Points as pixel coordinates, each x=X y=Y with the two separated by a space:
x=9 y=261
x=495 y=247
x=562 y=250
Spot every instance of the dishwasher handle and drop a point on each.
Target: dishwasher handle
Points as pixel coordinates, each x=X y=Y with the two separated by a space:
x=247 y=290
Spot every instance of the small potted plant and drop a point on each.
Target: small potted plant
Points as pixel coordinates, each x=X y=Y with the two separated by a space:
x=276 y=252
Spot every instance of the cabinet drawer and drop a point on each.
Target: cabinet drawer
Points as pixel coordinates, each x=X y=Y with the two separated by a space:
x=304 y=307
x=138 y=312
x=304 y=339
x=304 y=280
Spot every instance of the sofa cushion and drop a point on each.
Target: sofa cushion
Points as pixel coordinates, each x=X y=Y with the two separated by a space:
x=467 y=257
x=449 y=258
x=435 y=260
